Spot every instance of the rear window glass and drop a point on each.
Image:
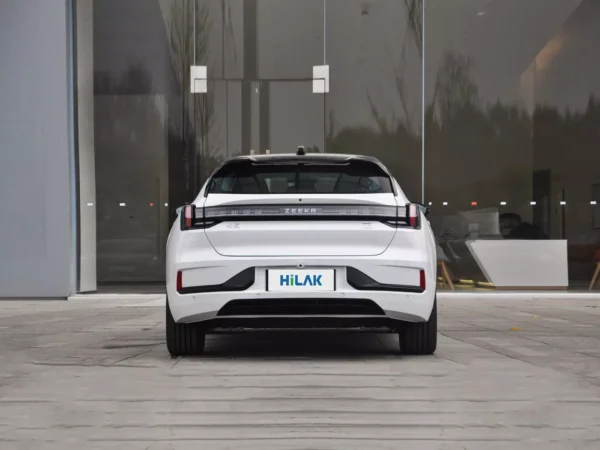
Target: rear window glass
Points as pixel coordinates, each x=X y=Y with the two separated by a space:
x=349 y=178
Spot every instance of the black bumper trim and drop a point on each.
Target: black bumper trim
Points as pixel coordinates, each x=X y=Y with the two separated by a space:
x=301 y=307
x=239 y=282
x=362 y=282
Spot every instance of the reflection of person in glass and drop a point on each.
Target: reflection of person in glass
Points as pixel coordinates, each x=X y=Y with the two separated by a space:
x=513 y=227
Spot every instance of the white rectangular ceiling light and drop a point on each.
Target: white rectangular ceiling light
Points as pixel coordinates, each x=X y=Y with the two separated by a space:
x=320 y=79
x=198 y=80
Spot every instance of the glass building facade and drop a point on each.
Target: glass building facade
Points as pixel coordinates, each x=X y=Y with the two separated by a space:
x=486 y=111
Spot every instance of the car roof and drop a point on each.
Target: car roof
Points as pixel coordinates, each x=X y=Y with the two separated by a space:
x=308 y=157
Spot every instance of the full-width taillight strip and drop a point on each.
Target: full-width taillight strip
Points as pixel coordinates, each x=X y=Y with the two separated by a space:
x=403 y=216
x=295 y=210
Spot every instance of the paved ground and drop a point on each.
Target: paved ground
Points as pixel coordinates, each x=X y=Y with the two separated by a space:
x=96 y=375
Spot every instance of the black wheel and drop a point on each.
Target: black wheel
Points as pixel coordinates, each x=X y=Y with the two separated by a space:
x=183 y=339
x=420 y=338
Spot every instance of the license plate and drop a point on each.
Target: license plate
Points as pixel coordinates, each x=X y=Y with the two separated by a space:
x=301 y=280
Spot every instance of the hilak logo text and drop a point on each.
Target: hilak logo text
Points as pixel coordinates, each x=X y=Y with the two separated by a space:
x=294 y=280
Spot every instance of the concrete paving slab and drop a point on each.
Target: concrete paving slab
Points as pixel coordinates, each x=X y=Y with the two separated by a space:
x=94 y=373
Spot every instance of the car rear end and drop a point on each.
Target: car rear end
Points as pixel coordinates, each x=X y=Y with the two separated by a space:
x=311 y=240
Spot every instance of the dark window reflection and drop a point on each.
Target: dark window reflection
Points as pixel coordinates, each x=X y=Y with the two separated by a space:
x=511 y=109
x=374 y=49
x=512 y=130
x=512 y=226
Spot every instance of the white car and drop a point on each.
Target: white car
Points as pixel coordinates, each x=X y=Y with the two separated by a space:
x=301 y=240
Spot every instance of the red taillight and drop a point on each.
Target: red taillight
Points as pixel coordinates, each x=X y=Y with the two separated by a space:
x=421 y=279
x=189 y=217
x=179 y=280
x=413 y=215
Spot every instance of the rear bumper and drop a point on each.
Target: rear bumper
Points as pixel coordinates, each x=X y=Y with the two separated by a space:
x=200 y=265
x=188 y=307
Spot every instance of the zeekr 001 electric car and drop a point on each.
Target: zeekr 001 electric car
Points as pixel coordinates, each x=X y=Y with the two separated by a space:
x=301 y=240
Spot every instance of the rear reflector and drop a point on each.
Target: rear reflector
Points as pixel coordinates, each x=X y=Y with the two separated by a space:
x=179 y=280
x=422 y=279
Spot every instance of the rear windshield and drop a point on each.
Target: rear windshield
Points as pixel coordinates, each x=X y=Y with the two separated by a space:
x=349 y=178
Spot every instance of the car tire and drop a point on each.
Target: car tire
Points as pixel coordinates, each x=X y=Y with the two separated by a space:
x=420 y=338
x=183 y=339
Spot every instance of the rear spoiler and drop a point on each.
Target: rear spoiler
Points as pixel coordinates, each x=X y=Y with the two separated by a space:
x=408 y=216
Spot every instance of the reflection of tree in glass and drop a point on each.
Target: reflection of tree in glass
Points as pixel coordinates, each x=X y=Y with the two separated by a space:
x=474 y=150
x=454 y=88
x=462 y=139
x=396 y=140
x=414 y=29
x=189 y=29
x=414 y=19
x=388 y=145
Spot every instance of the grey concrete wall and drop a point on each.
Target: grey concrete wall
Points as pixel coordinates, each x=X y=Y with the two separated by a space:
x=36 y=228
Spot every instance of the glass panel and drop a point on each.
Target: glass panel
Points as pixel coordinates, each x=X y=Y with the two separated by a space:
x=297 y=117
x=289 y=38
x=156 y=143
x=478 y=141
x=225 y=126
x=132 y=187
x=566 y=135
x=280 y=116
x=374 y=104
x=511 y=141
x=137 y=129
